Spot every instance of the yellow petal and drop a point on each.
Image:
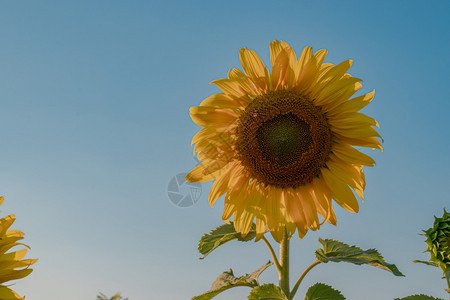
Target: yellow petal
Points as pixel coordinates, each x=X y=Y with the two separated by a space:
x=322 y=203
x=238 y=189
x=308 y=73
x=204 y=133
x=304 y=58
x=243 y=221
x=221 y=100
x=370 y=142
x=273 y=211
x=210 y=143
x=228 y=209
x=323 y=69
x=236 y=194
x=13 y=274
x=323 y=194
x=332 y=218
x=349 y=174
x=231 y=87
x=353 y=105
x=256 y=198
x=285 y=68
x=294 y=69
x=255 y=69
x=286 y=219
x=213 y=117
x=217 y=147
x=13 y=265
x=220 y=185
x=351 y=155
x=309 y=206
x=335 y=73
x=7 y=294
x=341 y=192
x=16 y=255
x=206 y=171
x=320 y=56
x=275 y=49
x=246 y=83
x=339 y=91
x=260 y=228
x=296 y=211
x=356 y=132
x=352 y=119
x=5 y=223
x=280 y=71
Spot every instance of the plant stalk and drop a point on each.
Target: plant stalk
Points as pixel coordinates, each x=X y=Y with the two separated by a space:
x=284 y=264
x=274 y=256
x=297 y=284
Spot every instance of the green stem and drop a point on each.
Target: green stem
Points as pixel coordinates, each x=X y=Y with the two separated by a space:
x=284 y=263
x=272 y=252
x=297 y=284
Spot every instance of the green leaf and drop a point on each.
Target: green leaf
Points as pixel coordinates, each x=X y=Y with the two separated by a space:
x=336 y=251
x=430 y=263
x=267 y=292
x=227 y=280
x=323 y=292
x=222 y=235
x=419 y=297
x=255 y=274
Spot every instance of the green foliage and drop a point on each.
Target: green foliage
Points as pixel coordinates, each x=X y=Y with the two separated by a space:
x=321 y=291
x=227 y=280
x=117 y=296
x=267 y=292
x=418 y=297
x=220 y=236
x=429 y=263
x=438 y=242
x=336 y=251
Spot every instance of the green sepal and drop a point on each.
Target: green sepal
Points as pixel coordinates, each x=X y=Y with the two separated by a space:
x=227 y=280
x=323 y=292
x=430 y=263
x=419 y=297
x=438 y=242
x=267 y=292
x=336 y=251
x=221 y=235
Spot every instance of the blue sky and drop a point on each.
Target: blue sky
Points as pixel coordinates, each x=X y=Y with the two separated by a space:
x=94 y=100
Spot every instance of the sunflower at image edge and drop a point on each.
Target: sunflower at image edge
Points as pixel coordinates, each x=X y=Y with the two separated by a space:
x=279 y=144
x=12 y=264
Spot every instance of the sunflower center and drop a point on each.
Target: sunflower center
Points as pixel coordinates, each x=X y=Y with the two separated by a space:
x=283 y=139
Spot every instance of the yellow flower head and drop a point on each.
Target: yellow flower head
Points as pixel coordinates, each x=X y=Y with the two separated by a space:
x=12 y=264
x=279 y=143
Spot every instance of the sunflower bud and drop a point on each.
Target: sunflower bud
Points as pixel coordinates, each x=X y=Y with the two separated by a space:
x=438 y=241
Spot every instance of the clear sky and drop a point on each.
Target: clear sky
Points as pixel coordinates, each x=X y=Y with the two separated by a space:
x=94 y=100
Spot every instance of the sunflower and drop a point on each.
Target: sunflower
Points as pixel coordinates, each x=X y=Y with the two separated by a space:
x=280 y=144
x=438 y=242
x=12 y=264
